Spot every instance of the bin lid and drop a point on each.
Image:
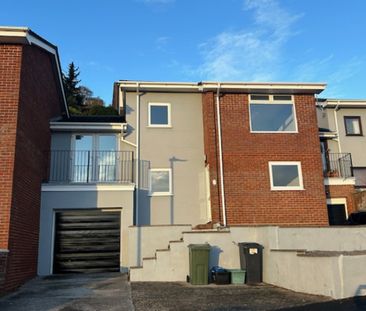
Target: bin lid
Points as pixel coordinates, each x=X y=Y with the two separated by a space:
x=200 y=246
x=250 y=245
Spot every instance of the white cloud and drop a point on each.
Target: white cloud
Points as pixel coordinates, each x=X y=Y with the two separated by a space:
x=331 y=71
x=249 y=54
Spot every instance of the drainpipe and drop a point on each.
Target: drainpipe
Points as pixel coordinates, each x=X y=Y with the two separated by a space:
x=222 y=188
x=336 y=125
x=137 y=169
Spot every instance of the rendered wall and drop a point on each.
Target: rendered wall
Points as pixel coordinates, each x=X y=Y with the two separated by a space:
x=352 y=144
x=180 y=148
x=338 y=275
x=53 y=201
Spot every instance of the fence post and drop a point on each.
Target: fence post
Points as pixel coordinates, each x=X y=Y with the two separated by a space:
x=87 y=168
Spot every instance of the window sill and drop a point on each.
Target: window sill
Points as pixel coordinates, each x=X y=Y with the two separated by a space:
x=274 y=132
x=167 y=194
x=288 y=189
x=357 y=135
x=159 y=126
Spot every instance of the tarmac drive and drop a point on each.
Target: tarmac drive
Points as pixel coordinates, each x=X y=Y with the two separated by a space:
x=112 y=291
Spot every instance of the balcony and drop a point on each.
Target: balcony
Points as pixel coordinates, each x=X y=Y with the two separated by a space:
x=337 y=165
x=91 y=167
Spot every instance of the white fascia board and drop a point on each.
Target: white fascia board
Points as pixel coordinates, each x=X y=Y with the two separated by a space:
x=231 y=86
x=343 y=103
x=94 y=126
x=25 y=34
x=336 y=181
x=297 y=87
x=85 y=187
x=328 y=134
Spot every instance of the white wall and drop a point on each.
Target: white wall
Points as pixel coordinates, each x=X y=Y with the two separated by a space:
x=332 y=274
x=145 y=240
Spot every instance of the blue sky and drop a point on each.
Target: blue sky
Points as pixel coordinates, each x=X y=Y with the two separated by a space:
x=194 y=40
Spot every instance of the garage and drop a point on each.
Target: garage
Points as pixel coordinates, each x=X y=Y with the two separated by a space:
x=87 y=241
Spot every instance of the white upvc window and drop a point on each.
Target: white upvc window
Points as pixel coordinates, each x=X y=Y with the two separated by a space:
x=160 y=181
x=159 y=115
x=272 y=114
x=285 y=175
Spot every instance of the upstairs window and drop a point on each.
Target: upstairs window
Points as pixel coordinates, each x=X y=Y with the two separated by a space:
x=353 y=126
x=272 y=114
x=159 y=115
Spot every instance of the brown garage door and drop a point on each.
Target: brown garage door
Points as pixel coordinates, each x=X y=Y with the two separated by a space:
x=87 y=241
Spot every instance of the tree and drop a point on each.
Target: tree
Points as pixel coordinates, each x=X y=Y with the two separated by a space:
x=73 y=95
x=80 y=98
x=101 y=111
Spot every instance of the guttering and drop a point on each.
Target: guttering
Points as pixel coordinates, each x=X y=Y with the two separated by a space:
x=249 y=87
x=137 y=176
x=345 y=103
x=23 y=35
x=221 y=166
x=86 y=126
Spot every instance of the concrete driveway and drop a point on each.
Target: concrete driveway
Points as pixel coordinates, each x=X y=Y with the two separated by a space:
x=84 y=292
x=112 y=291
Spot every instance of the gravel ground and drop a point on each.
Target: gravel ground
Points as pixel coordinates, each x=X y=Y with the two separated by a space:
x=183 y=296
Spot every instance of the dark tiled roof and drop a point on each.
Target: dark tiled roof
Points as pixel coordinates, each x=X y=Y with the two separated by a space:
x=97 y=119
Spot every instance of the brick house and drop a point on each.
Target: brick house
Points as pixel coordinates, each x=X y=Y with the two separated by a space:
x=31 y=94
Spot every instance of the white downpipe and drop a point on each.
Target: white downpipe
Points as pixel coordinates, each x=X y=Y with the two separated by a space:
x=222 y=187
x=337 y=129
x=137 y=170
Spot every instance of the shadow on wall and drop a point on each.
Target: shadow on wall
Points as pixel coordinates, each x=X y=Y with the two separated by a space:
x=215 y=256
x=172 y=161
x=144 y=196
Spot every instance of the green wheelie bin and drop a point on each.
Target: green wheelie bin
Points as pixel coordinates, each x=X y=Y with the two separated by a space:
x=199 y=255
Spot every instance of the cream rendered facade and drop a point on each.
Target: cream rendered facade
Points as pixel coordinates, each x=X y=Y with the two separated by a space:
x=178 y=148
x=331 y=117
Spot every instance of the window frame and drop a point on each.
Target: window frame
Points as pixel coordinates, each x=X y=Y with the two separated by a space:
x=286 y=163
x=149 y=124
x=94 y=165
x=345 y=118
x=272 y=101
x=164 y=193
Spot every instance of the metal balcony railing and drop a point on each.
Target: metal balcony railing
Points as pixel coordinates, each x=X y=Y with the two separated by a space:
x=69 y=166
x=338 y=165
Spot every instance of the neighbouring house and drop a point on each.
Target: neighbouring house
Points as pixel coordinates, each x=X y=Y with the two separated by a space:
x=31 y=94
x=344 y=162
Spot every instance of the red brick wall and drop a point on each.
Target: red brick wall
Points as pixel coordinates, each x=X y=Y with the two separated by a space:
x=342 y=191
x=3 y=262
x=39 y=101
x=249 y=199
x=10 y=60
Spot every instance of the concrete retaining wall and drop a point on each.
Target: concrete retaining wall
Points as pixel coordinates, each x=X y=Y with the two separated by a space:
x=334 y=272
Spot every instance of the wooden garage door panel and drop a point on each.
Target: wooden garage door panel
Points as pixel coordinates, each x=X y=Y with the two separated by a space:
x=87 y=241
